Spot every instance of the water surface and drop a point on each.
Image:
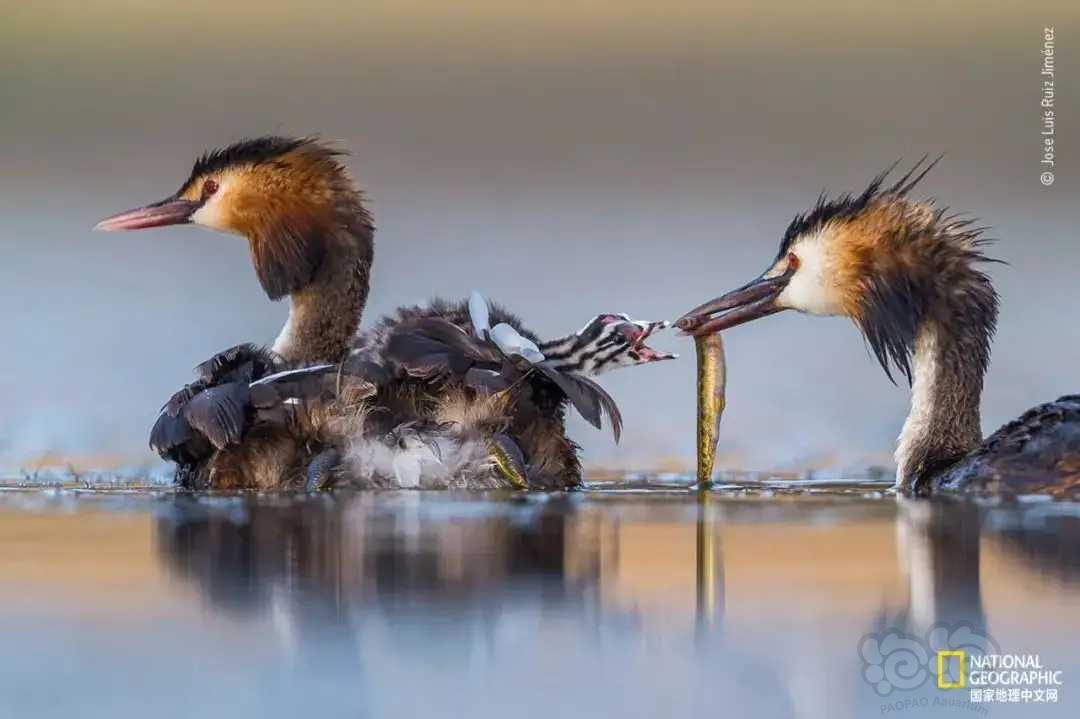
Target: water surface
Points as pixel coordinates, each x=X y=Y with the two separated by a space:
x=611 y=602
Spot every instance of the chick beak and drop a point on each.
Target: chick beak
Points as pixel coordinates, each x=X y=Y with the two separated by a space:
x=637 y=332
x=749 y=302
x=170 y=211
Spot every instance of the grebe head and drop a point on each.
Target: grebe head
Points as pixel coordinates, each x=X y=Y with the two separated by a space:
x=878 y=257
x=606 y=342
x=288 y=196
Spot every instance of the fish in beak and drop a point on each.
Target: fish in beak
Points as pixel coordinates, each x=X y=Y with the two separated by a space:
x=711 y=399
x=749 y=302
x=170 y=211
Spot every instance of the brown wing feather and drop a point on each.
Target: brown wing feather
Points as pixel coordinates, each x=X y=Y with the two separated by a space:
x=245 y=361
x=220 y=412
x=429 y=347
x=169 y=433
x=588 y=398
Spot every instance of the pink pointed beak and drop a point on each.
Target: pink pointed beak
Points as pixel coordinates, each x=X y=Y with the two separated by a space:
x=749 y=302
x=170 y=211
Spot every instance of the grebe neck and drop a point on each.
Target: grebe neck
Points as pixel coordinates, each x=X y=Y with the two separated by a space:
x=325 y=313
x=949 y=360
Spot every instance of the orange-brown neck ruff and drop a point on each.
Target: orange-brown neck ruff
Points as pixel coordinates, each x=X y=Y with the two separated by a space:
x=291 y=209
x=911 y=284
x=312 y=239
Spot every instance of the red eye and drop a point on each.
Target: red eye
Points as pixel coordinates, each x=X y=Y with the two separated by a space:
x=209 y=187
x=792 y=261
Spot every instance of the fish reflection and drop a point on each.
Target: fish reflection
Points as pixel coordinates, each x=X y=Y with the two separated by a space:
x=709 y=569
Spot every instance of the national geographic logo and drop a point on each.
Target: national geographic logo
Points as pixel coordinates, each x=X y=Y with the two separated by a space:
x=959 y=657
x=950 y=668
x=895 y=660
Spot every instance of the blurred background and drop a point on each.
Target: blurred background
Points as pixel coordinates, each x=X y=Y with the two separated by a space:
x=564 y=158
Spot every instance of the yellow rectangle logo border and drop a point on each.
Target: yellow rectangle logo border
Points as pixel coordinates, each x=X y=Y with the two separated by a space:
x=960 y=655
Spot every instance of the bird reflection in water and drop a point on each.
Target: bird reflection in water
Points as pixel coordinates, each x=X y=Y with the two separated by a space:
x=319 y=561
x=942 y=548
x=938 y=546
x=322 y=561
x=513 y=585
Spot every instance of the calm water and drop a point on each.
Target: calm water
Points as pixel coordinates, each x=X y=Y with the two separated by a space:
x=601 y=603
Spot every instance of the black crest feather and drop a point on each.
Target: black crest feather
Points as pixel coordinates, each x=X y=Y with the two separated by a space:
x=251 y=151
x=848 y=205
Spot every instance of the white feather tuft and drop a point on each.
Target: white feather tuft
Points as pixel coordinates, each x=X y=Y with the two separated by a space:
x=511 y=342
x=478 y=313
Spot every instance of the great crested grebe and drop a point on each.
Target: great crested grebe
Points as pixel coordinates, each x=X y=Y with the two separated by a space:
x=907 y=273
x=437 y=397
x=310 y=238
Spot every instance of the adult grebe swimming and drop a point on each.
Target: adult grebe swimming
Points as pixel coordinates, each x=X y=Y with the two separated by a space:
x=311 y=238
x=907 y=273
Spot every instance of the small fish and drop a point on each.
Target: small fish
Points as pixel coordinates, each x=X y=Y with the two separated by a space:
x=509 y=460
x=711 y=386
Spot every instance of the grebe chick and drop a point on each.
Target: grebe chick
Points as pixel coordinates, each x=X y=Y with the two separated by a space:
x=907 y=273
x=482 y=405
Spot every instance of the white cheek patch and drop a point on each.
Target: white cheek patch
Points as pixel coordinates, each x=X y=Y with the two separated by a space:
x=810 y=289
x=212 y=213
